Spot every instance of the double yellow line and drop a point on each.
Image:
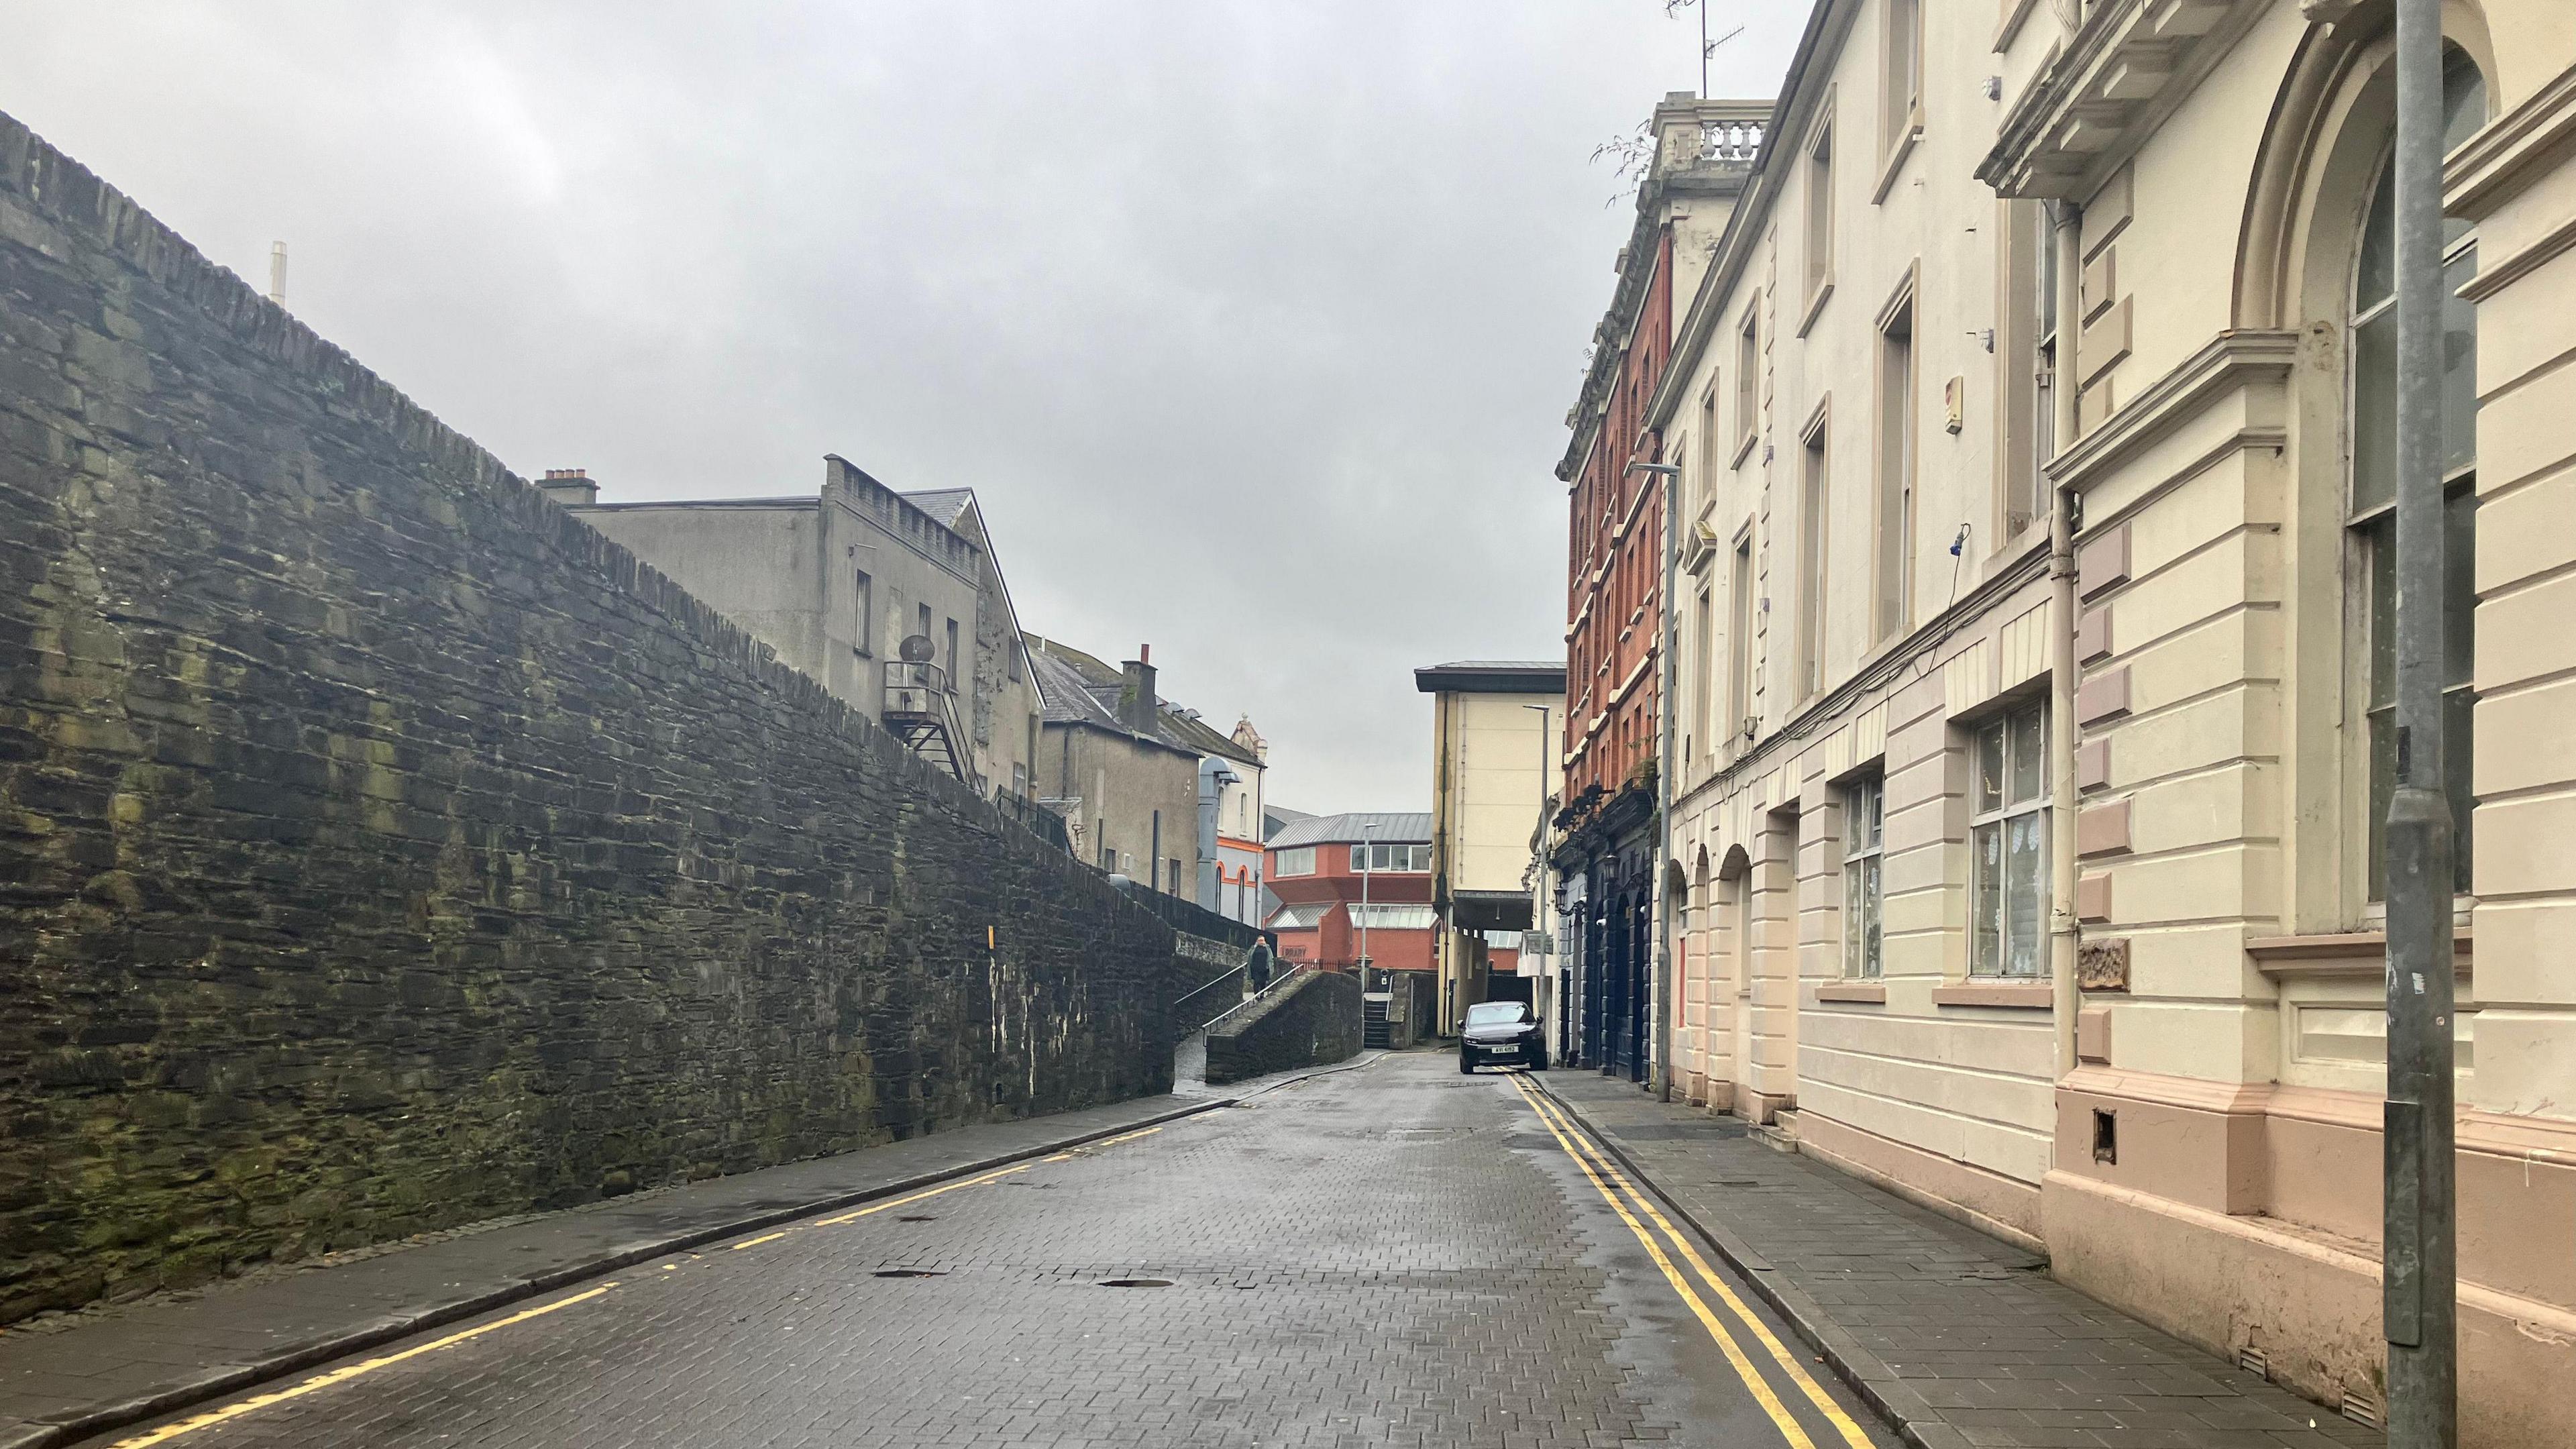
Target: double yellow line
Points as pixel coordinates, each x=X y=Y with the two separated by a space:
x=1628 y=1202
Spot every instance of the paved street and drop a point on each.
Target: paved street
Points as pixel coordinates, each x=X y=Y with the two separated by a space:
x=1394 y=1255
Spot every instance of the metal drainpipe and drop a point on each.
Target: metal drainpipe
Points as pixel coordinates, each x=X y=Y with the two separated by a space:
x=2065 y=1000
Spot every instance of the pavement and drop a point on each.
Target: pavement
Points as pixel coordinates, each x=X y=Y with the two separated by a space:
x=1385 y=1254
x=1957 y=1338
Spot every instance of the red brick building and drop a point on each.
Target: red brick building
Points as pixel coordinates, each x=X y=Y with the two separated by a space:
x=1315 y=871
x=1605 y=829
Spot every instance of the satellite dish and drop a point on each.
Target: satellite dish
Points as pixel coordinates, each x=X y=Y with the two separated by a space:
x=915 y=649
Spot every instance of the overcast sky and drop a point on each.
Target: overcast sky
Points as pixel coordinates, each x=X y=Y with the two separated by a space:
x=1253 y=325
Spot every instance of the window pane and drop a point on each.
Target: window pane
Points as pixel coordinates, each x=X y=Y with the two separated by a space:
x=1872 y=893
x=2458 y=737
x=2377 y=279
x=2374 y=412
x=2459 y=365
x=1986 y=899
x=2378 y=558
x=1855 y=920
x=2460 y=585
x=2383 y=782
x=2464 y=97
x=2026 y=756
x=1990 y=768
x=2025 y=887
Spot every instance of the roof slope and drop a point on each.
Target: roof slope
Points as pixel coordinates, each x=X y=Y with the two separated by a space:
x=1083 y=690
x=1410 y=826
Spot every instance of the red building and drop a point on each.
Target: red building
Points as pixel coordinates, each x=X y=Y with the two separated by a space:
x=1606 y=827
x=1334 y=873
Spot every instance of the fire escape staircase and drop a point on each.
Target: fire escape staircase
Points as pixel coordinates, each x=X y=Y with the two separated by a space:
x=921 y=711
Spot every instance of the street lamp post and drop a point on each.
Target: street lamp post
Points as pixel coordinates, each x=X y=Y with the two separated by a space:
x=1368 y=848
x=2418 y=1248
x=1545 y=714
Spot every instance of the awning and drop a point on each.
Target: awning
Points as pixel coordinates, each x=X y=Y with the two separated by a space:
x=1489 y=910
x=1394 y=918
x=1300 y=917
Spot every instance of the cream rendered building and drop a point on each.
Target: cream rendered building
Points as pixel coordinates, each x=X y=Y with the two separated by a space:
x=1494 y=764
x=2037 y=884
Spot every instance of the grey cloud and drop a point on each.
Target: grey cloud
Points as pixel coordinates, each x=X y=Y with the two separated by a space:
x=1254 y=324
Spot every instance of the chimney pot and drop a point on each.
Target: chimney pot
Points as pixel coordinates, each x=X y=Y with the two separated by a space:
x=569 y=486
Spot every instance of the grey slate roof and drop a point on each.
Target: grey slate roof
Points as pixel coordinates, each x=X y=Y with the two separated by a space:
x=944 y=504
x=1412 y=826
x=1082 y=690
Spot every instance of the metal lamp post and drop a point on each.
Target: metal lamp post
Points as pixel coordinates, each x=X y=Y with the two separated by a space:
x=1368 y=848
x=2418 y=1246
x=1545 y=714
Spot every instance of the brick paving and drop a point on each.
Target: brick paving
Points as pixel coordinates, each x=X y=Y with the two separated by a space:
x=113 y=1365
x=1957 y=1337
x=1394 y=1255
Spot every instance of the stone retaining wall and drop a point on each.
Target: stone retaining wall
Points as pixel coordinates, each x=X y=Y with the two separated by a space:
x=382 y=849
x=1312 y=1021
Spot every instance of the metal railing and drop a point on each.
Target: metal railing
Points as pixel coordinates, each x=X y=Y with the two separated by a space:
x=1044 y=823
x=1286 y=975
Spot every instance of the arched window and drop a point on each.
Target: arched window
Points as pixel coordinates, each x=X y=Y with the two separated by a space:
x=2370 y=512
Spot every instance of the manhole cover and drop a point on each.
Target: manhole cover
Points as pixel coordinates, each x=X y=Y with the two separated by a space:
x=911 y=1273
x=1135 y=1282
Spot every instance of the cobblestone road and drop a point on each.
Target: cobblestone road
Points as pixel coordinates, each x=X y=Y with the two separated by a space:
x=1391 y=1256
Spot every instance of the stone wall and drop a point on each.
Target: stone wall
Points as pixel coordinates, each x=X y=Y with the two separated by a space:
x=1312 y=1021
x=382 y=849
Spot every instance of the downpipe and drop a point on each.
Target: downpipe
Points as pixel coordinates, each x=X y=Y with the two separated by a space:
x=2066 y=999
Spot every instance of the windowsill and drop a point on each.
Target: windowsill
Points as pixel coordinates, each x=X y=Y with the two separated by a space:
x=861 y=650
x=1816 y=303
x=2026 y=996
x=1864 y=992
x=2336 y=953
x=1743 y=449
x=1897 y=155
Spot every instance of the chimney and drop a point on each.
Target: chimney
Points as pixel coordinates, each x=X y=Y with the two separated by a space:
x=1136 y=707
x=569 y=486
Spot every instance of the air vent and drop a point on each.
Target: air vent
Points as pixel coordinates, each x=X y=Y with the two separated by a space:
x=2364 y=1408
x=2254 y=1361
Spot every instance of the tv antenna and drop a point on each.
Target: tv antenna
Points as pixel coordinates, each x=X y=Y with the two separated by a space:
x=1707 y=47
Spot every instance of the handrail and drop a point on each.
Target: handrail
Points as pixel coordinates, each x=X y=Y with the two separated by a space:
x=1212 y=982
x=1282 y=979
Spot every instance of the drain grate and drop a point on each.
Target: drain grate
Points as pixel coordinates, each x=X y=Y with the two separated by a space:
x=911 y=1273
x=917 y=1218
x=1135 y=1282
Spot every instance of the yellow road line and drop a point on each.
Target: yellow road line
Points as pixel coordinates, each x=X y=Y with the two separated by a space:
x=1129 y=1137
x=211 y=1417
x=756 y=1242
x=879 y=1207
x=1851 y=1432
x=1735 y=1355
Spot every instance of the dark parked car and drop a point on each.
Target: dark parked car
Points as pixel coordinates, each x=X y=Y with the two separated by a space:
x=1501 y=1032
